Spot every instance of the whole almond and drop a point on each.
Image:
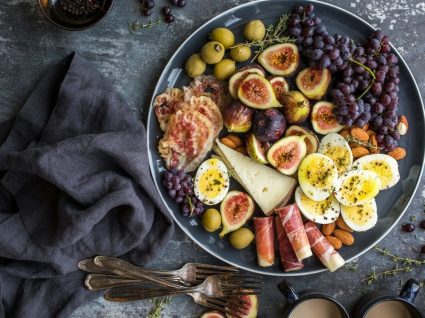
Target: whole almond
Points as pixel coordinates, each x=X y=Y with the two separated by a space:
x=398 y=153
x=335 y=242
x=365 y=127
x=345 y=237
x=340 y=223
x=402 y=125
x=370 y=132
x=345 y=132
x=327 y=229
x=359 y=134
x=228 y=142
x=236 y=140
x=374 y=143
x=359 y=152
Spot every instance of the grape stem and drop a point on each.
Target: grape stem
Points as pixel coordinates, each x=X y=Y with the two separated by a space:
x=371 y=74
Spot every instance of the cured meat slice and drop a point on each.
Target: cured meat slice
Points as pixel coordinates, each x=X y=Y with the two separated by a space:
x=206 y=107
x=288 y=258
x=208 y=85
x=322 y=248
x=294 y=228
x=188 y=138
x=264 y=240
x=165 y=105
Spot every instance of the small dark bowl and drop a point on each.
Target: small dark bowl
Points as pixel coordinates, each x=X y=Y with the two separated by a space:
x=53 y=12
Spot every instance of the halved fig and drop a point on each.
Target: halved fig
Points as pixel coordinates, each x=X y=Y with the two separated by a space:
x=237 y=78
x=296 y=107
x=280 y=59
x=310 y=139
x=257 y=92
x=256 y=149
x=236 y=209
x=249 y=308
x=314 y=82
x=323 y=119
x=213 y=314
x=287 y=153
x=280 y=85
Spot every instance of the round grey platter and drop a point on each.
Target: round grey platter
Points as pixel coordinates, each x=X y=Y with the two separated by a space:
x=391 y=203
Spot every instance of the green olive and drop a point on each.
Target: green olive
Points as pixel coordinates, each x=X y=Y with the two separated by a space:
x=195 y=66
x=211 y=220
x=224 y=36
x=212 y=52
x=241 y=238
x=254 y=30
x=224 y=68
x=240 y=53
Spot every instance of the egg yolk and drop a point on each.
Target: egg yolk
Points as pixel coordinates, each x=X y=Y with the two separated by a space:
x=356 y=189
x=319 y=173
x=360 y=214
x=211 y=183
x=319 y=207
x=382 y=170
x=340 y=156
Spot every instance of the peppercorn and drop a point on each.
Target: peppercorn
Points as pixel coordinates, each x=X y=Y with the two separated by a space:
x=80 y=7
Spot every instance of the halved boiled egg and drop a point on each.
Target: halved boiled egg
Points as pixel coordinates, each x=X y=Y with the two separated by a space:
x=211 y=181
x=357 y=187
x=317 y=175
x=360 y=217
x=335 y=146
x=384 y=166
x=322 y=212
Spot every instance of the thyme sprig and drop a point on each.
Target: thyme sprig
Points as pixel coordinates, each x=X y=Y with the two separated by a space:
x=274 y=35
x=408 y=265
x=361 y=143
x=159 y=304
x=136 y=26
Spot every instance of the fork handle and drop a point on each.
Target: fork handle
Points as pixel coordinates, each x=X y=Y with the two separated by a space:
x=122 y=268
x=123 y=295
x=101 y=281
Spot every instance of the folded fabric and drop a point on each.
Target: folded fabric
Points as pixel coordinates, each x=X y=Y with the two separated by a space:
x=75 y=183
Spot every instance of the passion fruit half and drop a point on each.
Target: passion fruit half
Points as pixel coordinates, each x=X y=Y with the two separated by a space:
x=287 y=153
x=323 y=118
x=236 y=209
x=310 y=139
x=280 y=59
x=314 y=82
x=255 y=91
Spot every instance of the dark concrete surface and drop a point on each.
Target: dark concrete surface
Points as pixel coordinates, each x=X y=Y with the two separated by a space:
x=29 y=45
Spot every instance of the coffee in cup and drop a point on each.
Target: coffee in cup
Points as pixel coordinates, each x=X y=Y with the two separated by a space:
x=316 y=308
x=389 y=309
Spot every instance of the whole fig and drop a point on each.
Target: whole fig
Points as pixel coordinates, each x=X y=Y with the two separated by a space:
x=237 y=117
x=269 y=125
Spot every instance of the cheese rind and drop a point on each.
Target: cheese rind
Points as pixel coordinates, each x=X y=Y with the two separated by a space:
x=269 y=188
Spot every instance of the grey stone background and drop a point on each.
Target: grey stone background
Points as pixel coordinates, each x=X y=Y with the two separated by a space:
x=29 y=45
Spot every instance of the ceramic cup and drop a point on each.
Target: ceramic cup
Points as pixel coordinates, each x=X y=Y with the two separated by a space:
x=364 y=306
x=306 y=300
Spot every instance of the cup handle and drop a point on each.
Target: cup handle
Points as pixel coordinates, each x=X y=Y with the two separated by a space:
x=288 y=291
x=410 y=290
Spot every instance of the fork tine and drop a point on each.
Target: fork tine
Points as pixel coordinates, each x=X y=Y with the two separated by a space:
x=217 y=267
x=222 y=307
x=238 y=303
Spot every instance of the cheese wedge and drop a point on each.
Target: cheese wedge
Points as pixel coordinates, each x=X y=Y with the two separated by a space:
x=269 y=188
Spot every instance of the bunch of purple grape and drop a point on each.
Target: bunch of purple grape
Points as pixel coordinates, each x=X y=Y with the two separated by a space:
x=316 y=44
x=373 y=78
x=180 y=189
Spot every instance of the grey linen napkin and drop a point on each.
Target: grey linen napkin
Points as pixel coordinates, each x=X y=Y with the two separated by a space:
x=74 y=183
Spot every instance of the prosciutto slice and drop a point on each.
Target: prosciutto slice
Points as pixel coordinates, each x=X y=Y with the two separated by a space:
x=322 y=248
x=292 y=222
x=287 y=255
x=264 y=239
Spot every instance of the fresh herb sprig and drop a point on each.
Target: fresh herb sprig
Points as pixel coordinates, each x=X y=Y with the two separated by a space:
x=274 y=35
x=136 y=26
x=408 y=265
x=159 y=304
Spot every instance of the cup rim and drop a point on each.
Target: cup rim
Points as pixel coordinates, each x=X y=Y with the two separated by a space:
x=47 y=16
x=317 y=296
x=385 y=298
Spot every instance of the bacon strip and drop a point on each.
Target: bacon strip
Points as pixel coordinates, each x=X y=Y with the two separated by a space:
x=294 y=228
x=322 y=248
x=287 y=255
x=264 y=239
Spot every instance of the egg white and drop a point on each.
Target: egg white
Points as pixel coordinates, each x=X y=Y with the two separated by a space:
x=335 y=146
x=211 y=182
x=361 y=217
x=384 y=166
x=321 y=212
x=317 y=175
